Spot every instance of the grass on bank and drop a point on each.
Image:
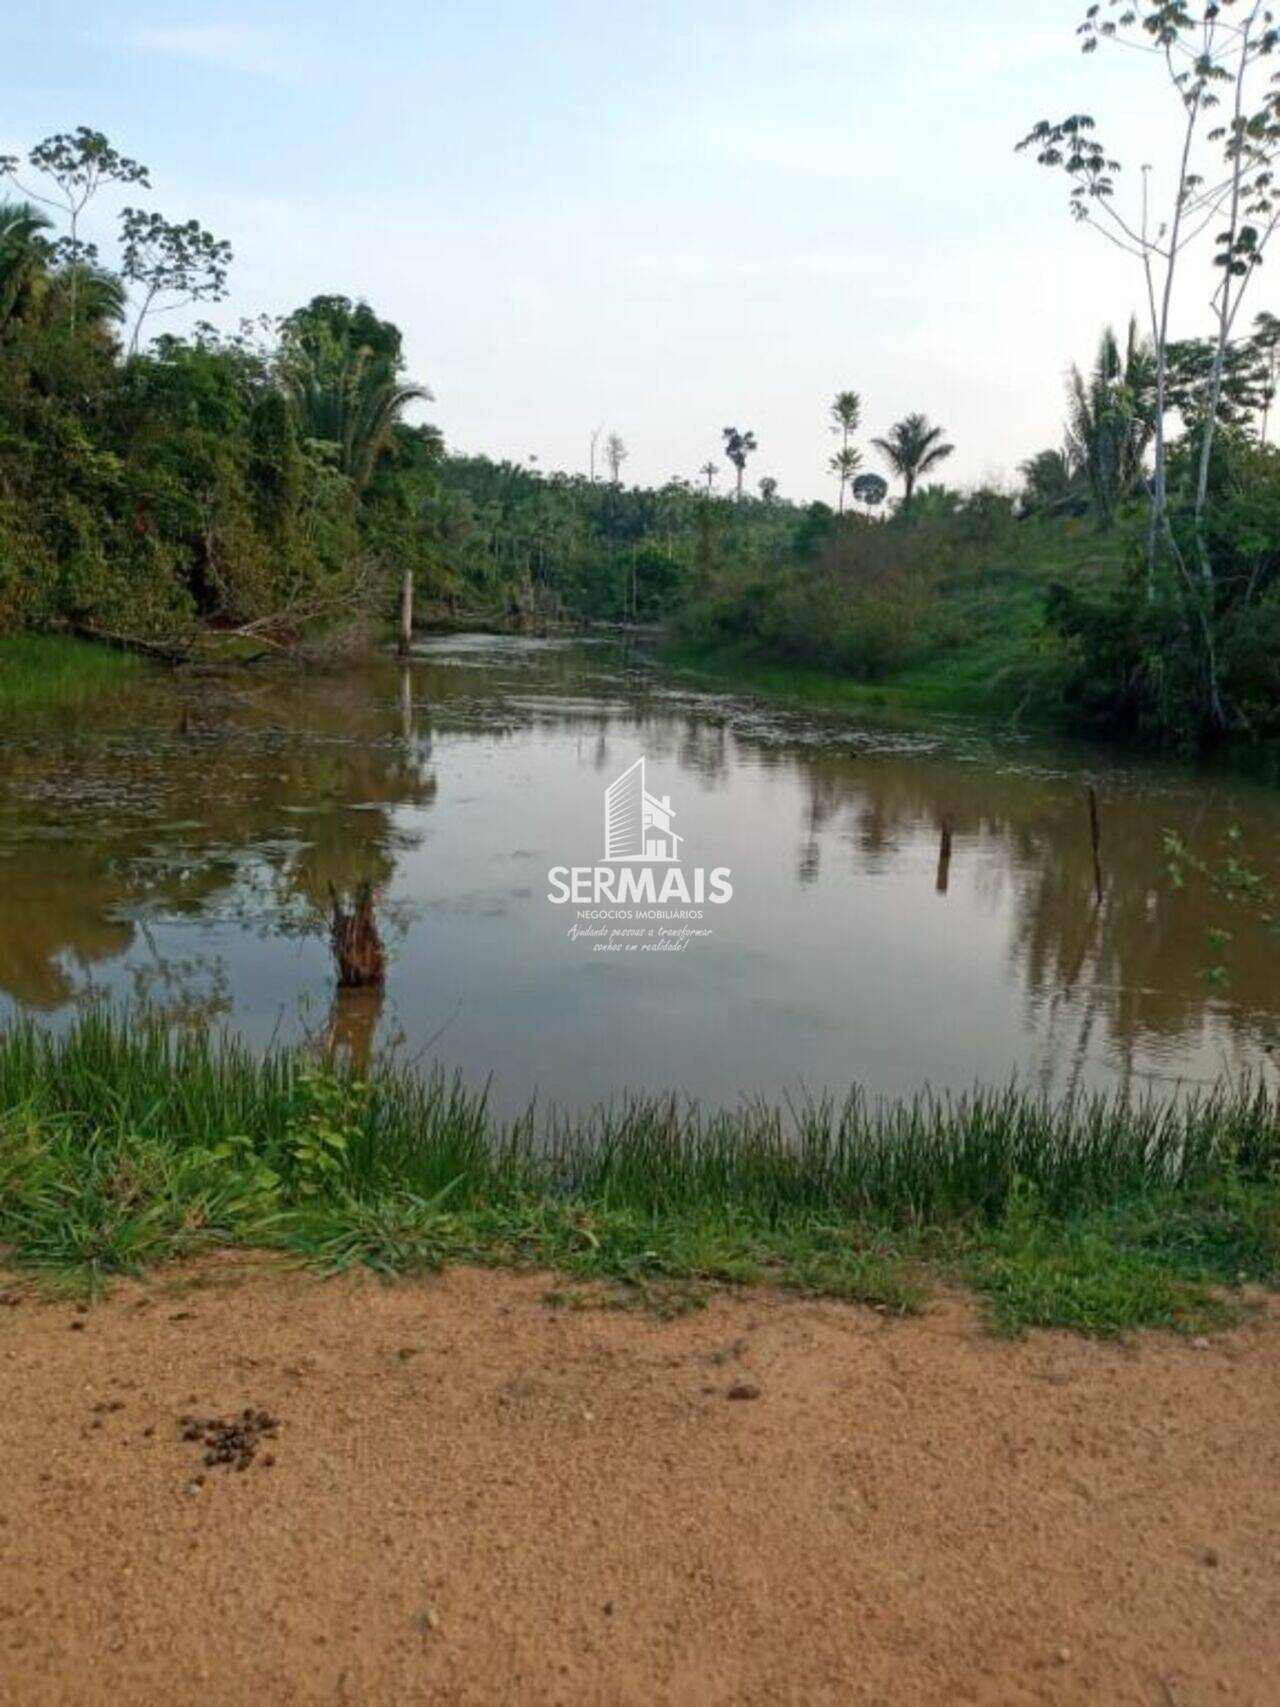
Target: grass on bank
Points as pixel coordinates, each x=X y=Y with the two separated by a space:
x=979 y=643
x=123 y=1145
x=38 y=671
x=739 y=668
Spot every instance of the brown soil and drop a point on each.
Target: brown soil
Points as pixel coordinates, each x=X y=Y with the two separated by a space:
x=474 y=1498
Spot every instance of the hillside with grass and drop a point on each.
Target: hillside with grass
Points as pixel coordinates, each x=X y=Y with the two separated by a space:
x=953 y=614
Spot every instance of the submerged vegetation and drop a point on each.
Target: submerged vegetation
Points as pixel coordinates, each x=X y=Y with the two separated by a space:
x=122 y=1145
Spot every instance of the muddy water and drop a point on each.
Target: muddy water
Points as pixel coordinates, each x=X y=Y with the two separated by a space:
x=175 y=848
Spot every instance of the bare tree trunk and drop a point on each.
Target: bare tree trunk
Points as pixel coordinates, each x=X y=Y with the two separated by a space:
x=1226 y=310
x=406 y=615
x=1159 y=521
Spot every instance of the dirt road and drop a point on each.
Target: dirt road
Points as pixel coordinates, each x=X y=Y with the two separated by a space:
x=476 y=1498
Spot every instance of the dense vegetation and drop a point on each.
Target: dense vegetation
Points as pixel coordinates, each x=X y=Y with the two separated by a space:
x=269 y=484
x=121 y=1146
x=268 y=480
x=145 y=488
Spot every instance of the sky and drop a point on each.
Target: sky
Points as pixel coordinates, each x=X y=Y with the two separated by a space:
x=660 y=220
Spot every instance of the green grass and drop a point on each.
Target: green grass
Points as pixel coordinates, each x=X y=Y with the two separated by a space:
x=742 y=668
x=123 y=1145
x=49 y=670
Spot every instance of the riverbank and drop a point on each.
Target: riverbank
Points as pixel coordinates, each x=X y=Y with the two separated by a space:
x=125 y=1146
x=740 y=668
x=467 y=1496
x=49 y=671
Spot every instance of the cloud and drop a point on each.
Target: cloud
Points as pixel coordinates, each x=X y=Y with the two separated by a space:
x=229 y=47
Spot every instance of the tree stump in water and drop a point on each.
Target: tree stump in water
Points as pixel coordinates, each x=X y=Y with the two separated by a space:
x=358 y=954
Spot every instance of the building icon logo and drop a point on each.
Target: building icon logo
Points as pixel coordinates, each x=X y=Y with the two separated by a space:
x=637 y=824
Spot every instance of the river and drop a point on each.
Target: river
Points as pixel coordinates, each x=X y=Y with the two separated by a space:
x=174 y=848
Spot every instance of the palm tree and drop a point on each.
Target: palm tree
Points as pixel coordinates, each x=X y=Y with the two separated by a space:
x=96 y=297
x=24 y=255
x=846 y=412
x=737 y=448
x=1051 y=479
x=344 y=378
x=710 y=471
x=1111 y=419
x=845 y=464
x=913 y=448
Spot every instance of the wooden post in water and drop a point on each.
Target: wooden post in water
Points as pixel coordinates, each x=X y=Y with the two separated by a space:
x=1096 y=834
x=406 y=615
x=944 y=857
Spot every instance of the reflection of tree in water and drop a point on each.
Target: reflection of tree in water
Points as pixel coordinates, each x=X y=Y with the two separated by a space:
x=1134 y=966
x=179 y=989
x=249 y=807
x=277 y=789
x=351 y=1029
x=1020 y=843
x=54 y=929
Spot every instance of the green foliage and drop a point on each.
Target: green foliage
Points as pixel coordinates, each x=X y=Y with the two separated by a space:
x=167 y=259
x=343 y=368
x=1135 y=661
x=121 y=1145
x=872 y=600
x=1040 y=1272
x=516 y=544
x=913 y=448
x=321 y=1126
x=1111 y=421
x=141 y=495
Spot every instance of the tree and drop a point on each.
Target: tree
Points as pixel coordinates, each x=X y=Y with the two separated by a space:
x=1110 y=421
x=737 y=448
x=343 y=367
x=74 y=166
x=846 y=412
x=99 y=295
x=1246 y=382
x=183 y=261
x=845 y=464
x=1209 y=53
x=1051 y=479
x=710 y=474
x=913 y=448
x=870 y=489
x=24 y=254
x=768 y=490
x=615 y=454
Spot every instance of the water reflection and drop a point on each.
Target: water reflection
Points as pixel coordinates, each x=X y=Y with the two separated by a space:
x=910 y=905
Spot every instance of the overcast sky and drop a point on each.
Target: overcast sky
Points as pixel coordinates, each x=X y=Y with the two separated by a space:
x=661 y=219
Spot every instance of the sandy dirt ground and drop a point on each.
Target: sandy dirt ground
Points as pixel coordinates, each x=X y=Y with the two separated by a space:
x=476 y=1498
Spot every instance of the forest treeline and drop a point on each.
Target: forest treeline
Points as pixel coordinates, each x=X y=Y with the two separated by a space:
x=274 y=482
x=270 y=479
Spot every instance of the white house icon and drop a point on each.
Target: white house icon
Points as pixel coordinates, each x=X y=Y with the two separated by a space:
x=637 y=825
